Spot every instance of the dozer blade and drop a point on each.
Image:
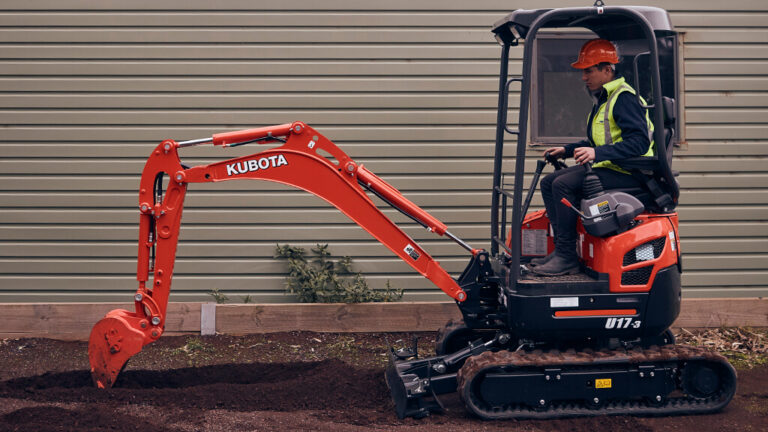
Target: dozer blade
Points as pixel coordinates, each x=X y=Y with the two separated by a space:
x=114 y=339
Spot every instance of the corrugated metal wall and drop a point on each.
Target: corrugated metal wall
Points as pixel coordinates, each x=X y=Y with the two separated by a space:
x=406 y=87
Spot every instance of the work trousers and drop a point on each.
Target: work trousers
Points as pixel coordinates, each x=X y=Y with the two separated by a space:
x=567 y=183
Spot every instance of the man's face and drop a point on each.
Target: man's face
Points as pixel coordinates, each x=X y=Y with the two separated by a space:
x=594 y=77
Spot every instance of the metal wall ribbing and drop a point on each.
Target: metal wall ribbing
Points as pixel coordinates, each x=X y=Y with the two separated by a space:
x=408 y=88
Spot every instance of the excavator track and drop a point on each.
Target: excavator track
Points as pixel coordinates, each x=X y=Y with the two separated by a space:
x=668 y=380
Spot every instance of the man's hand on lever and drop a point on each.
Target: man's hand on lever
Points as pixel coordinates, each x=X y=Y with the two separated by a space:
x=554 y=152
x=584 y=155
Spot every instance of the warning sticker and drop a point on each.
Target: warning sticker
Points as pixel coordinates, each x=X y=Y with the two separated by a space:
x=603 y=383
x=599 y=208
x=534 y=242
x=412 y=252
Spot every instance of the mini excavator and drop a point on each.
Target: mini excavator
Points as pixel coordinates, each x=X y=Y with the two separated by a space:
x=595 y=343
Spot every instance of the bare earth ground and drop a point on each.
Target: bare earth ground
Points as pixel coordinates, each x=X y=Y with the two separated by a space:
x=280 y=381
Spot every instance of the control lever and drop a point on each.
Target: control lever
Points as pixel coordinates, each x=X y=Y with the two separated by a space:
x=540 y=164
x=555 y=161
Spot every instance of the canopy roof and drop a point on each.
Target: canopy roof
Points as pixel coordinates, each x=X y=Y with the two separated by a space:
x=609 y=22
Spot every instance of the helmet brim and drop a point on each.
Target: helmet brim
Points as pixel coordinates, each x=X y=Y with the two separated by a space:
x=578 y=65
x=583 y=65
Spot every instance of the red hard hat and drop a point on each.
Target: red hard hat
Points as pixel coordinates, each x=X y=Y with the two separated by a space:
x=595 y=52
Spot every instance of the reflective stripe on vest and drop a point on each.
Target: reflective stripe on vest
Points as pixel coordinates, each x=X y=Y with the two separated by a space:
x=611 y=133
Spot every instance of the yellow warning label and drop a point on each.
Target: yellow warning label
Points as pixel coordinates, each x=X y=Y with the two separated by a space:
x=603 y=383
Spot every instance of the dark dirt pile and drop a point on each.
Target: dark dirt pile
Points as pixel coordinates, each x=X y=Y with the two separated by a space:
x=286 y=381
x=238 y=387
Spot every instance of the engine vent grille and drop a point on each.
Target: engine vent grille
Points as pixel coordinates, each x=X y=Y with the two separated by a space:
x=645 y=252
x=637 y=276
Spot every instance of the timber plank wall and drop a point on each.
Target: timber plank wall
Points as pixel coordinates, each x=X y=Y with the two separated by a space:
x=73 y=321
x=408 y=88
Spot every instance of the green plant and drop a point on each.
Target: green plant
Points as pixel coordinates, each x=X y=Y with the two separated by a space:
x=247 y=299
x=219 y=296
x=321 y=280
x=194 y=345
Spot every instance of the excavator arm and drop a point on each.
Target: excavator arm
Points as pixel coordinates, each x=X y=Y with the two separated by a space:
x=307 y=160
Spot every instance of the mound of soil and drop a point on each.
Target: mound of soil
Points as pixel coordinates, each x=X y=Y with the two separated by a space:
x=286 y=381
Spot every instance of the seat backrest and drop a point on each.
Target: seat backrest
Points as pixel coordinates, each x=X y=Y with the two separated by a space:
x=662 y=188
x=670 y=115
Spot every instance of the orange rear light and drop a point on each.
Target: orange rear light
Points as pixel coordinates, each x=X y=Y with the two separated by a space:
x=595 y=313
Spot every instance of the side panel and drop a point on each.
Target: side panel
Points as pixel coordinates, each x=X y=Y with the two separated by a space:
x=633 y=258
x=535 y=239
x=579 y=316
x=663 y=306
x=641 y=299
x=615 y=315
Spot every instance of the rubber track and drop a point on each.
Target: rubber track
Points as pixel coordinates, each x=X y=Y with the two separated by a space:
x=669 y=353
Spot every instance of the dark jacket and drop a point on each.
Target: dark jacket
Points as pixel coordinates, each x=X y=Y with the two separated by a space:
x=630 y=117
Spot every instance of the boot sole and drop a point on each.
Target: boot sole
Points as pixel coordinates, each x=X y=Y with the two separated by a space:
x=570 y=271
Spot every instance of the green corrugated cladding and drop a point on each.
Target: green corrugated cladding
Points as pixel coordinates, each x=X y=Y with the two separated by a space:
x=87 y=89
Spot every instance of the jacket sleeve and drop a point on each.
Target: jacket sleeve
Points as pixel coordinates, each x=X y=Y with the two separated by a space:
x=630 y=117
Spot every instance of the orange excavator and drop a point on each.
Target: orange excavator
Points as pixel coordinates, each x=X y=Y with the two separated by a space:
x=595 y=343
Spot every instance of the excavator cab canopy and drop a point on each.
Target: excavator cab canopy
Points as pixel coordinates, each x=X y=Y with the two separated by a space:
x=610 y=26
x=650 y=67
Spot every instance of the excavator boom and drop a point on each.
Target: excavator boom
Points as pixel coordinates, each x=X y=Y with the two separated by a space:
x=299 y=162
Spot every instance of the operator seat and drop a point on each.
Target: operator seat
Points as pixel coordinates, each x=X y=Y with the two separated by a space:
x=658 y=194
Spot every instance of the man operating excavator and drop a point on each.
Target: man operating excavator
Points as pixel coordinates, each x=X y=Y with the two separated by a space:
x=618 y=128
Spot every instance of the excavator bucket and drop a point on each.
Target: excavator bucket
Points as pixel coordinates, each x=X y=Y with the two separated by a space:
x=114 y=339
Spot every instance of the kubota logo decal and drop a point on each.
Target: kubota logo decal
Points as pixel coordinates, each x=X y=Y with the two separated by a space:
x=256 y=164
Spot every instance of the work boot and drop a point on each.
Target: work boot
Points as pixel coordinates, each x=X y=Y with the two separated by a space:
x=558 y=266
x=542 y=260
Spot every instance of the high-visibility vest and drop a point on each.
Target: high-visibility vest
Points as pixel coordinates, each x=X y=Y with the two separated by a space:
x=609 y=133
